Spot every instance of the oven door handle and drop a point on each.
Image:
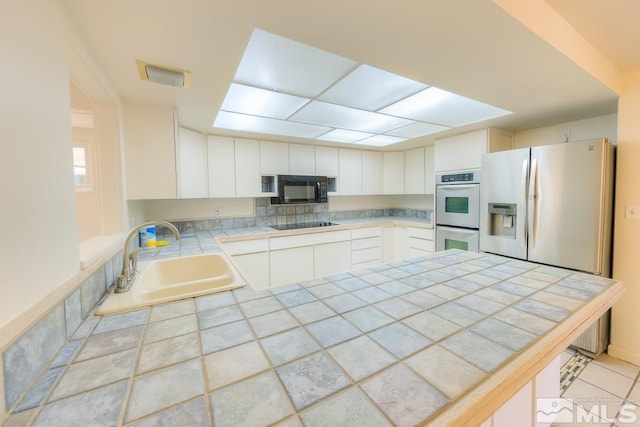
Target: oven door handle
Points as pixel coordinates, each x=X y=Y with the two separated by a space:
x=457 y=187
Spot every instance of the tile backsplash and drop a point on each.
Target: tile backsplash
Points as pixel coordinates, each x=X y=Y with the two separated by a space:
x=268 y=215
x=24 y=360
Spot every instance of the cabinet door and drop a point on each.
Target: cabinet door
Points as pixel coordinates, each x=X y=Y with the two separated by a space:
x=414 y=171
x=429 y=173
x=332 y=258
x=327 y=161
x=255 y=267
x=274 y=158
x=149 y=143
x=292 y=265
x=400 y=243
x=372 y=172
x=302 y=159
x=247 y=159
x=222 y=169
x=350 y=172
x=393 y=172
x=193 y=179
x=460 y=152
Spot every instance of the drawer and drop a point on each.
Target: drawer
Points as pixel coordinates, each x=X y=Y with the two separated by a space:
x=246 y=246
x=420 y=233
x=369 y=242
x=425 y=245
x=365 y=255
x=359 y=233
x=416 y=253
x=308 y=239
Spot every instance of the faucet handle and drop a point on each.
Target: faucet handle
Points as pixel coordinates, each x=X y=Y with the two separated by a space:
x=133 y=257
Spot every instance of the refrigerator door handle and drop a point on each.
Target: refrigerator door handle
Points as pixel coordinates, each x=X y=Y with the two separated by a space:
x=523 y=202
x=531 y=205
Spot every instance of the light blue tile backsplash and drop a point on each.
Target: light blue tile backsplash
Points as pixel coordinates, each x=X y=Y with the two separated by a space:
x=73 y=312
x=27 y=357
x=267 y=216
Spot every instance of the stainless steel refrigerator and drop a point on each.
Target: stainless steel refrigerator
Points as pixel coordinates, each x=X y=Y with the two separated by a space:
x=552 y=205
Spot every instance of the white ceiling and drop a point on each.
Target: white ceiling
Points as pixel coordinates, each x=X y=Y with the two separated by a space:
x=469 y=47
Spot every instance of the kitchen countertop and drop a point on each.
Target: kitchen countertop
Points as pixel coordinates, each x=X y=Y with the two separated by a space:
x=425 y=340
x=208 y=241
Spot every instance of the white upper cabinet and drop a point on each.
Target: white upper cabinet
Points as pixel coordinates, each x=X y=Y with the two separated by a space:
x=460 y=152
x=327 y=161
x=429 y=173
x=302 y=159
x=274 y=158
x=247 y=152
x=372 y=172
x=222 y=166
x=350 y=175
x=393 y=172
x=193 y=180
x=150 y=151
x=414 y=171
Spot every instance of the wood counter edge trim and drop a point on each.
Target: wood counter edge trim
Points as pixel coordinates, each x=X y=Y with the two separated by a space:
x=488 y=396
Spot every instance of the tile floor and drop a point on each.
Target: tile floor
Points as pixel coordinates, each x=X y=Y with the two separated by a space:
x=606 y=387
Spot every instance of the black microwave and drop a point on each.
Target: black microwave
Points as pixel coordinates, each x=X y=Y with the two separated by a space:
x=300 y=189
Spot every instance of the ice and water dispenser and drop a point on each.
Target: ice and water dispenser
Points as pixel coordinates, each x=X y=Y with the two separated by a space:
x=502 y=220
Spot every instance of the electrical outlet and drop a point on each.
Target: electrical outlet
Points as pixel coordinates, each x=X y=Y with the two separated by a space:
x=566 y=135
x=218 y=212
x=632 y=212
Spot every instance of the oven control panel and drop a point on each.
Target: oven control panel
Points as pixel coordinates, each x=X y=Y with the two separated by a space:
x=463 y=177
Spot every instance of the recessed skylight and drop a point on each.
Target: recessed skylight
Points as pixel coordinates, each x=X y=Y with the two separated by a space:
x=371 y=89
x=261 y=102
x=277 y=63
x=438 y=106
x=284 y=87
x=337 y=116
x=245 y=122
x=343 y=135
x=381 y=140
x=417 y=129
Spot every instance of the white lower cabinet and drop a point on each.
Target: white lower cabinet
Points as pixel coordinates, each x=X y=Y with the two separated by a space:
x=367 y=247
x=276 y=261
x=252 y=258
x=419 y=242
x=522 y=408
x=255 y=267
x=291 y=265
x=331 y=258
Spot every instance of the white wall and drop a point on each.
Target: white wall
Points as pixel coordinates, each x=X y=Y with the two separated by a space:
x=189 y=209
x=595 y=127
x=625 y=333
x=40 y=238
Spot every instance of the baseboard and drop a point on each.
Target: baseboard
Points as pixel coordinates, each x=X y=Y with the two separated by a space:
x=622 y=354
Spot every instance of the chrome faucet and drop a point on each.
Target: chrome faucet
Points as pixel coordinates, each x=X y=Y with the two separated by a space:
x=130 y=261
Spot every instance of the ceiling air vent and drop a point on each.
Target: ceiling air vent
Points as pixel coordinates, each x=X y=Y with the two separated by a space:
x=164 y=75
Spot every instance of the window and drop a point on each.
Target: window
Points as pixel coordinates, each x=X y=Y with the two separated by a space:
x=81 y=167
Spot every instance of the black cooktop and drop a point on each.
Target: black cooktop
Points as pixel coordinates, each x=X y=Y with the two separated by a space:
x=303 y=225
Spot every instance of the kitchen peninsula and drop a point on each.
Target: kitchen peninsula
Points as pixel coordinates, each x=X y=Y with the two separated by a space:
x=444 y=339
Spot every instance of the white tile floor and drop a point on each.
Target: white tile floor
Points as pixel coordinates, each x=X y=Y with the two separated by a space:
x=608 y=388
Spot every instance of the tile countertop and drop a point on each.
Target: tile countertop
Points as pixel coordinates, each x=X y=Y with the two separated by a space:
x=425 y=340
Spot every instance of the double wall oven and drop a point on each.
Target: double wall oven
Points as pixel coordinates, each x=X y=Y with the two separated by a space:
x=458 y=210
